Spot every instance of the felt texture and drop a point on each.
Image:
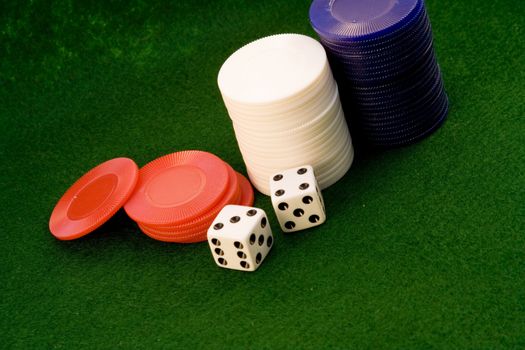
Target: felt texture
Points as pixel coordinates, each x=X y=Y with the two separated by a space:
x=423 y=247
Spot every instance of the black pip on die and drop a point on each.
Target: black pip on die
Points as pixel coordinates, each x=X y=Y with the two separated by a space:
x=296 y=199
x=240 y=237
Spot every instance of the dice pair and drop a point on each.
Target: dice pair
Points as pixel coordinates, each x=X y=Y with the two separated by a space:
x=240 y=237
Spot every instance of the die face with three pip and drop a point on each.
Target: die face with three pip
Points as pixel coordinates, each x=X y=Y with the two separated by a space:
x=240 y=237
x=297 y=199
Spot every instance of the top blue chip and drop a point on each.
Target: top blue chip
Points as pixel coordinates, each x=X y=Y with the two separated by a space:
x=361 y=20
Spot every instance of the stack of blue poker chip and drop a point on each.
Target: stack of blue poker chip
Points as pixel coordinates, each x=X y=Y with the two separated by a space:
x=382 y=56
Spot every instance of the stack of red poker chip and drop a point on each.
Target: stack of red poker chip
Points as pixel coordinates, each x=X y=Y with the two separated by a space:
x=174 y=198
x=178 y=195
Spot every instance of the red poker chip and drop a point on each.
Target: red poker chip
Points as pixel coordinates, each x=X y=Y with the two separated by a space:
x=241 y=193
x=93 y=199
x=177 y=188
x=232 y=195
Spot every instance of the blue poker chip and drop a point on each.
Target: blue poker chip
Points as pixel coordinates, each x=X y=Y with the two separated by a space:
x=410 y=31
x=404 y=74
x=389 y=55
x=360 y=20
x=397 y=95
x=398 y=77
x=382 y=61
x=384 y=107
x=409 y=131
x=409 y=44
x=377 y=62
x=417 y=98
x=414 y=77
x=409 y=138
x=402 y=117
x=398 y=67
x=392 y=116
x=417 y=124
x=419 y=19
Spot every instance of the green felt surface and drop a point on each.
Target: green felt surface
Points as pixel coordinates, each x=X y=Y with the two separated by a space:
x=424 y=246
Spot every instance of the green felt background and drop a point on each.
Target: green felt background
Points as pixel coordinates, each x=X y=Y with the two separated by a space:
x=424 y=246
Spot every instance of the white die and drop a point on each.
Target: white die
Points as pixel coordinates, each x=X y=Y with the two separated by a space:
x=240 y=237
x=296 y=199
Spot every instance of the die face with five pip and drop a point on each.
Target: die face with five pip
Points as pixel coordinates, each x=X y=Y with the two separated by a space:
x=296 y=199
x=240 y=237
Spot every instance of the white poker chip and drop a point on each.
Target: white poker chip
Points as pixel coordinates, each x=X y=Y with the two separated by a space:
x=322 y=88
x=285 y=109
x=299 y=144
x=323 y=161
x=306 y=118
x=272 y=69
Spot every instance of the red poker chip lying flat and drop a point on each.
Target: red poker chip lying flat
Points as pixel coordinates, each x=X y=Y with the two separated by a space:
x=241 y=192
x=232 y=194
x=93 y=199
x=177 y=188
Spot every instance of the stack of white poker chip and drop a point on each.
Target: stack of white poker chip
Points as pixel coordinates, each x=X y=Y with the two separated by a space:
x=285 y=109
